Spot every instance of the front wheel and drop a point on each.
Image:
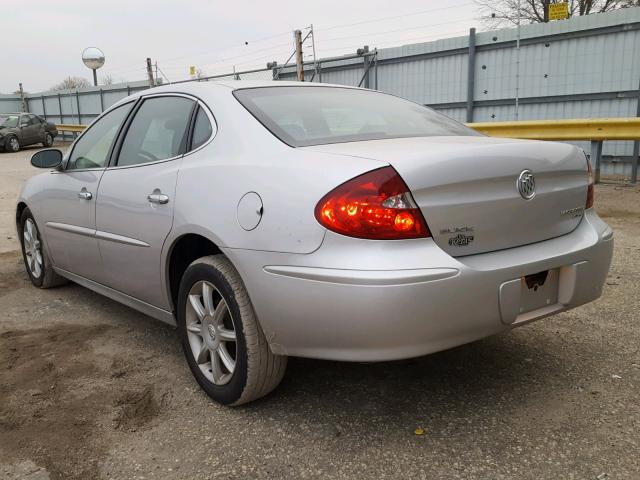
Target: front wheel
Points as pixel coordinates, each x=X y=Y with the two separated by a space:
x=225 y=347
x=12 y=144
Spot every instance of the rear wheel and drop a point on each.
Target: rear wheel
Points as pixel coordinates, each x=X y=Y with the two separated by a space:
x=48 y=140
x=35 y=257
x=225 y=347
x=12 y=144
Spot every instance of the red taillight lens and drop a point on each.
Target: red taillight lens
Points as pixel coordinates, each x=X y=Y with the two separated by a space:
x=376 y=205
x=589 y=203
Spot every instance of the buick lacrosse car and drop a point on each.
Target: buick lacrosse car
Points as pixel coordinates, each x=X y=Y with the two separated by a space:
x=274 y=219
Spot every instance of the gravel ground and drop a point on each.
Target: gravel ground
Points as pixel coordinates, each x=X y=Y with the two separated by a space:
x=92 y=389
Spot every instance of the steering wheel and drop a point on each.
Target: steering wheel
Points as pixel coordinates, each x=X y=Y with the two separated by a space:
x=149 y=156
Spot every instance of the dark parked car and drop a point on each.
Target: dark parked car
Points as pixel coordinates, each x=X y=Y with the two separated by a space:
x=22 y=129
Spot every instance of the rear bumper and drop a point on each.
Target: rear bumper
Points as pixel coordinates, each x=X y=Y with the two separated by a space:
x=362 y=300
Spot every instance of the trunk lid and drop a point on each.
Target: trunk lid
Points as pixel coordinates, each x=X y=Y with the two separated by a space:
x=467 y=187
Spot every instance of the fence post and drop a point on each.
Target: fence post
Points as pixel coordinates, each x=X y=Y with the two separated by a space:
x=636 y=147
x=61 y=116
x=471 y=73
x=44 y=108
x=596 y=157
x=101 y=102
x=78 y=105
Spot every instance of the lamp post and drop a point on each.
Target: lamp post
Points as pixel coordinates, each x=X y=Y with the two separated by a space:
x=93 y=58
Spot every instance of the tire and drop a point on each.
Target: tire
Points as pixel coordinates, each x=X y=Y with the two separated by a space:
x=206 y=330
x=48 y=140
x=34 y=254
x=12 y=144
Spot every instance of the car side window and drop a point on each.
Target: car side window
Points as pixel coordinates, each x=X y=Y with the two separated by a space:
x=92 y=149
x=202 y=130
x=25 y=120
x=157 y=132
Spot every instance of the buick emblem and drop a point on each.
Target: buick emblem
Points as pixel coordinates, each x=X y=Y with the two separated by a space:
x=526 y=184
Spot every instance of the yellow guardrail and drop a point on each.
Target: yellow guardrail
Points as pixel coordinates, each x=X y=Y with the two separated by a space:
x=574 y=129
x=63 y=127
x=595 y=129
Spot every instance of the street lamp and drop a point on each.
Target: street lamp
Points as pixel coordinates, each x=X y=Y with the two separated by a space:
x=93 y=58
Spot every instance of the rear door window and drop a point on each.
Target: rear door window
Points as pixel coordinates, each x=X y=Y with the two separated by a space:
x=202 y=130
x=158 y=131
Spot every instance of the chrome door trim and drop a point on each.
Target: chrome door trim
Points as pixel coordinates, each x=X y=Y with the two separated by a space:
x=88 y=232
x=112 y=237
x=65 y=227
x=146 y=308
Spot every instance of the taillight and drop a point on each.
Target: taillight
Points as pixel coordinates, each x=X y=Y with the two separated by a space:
x=376 y=205
x=589 y=203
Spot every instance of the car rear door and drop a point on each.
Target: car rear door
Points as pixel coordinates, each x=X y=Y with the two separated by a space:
x=70 y=208
x=134 y=212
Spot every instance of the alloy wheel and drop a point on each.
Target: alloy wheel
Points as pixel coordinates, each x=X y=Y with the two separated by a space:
x=211 y=332
x=14 y=145
x=32 y=248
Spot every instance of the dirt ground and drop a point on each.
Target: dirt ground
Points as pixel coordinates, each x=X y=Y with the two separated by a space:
x=92 y=389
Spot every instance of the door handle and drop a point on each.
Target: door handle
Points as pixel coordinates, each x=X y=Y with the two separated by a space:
x=84 y=195
x=159 y=198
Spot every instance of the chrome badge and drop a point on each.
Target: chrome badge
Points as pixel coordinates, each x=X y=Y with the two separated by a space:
x=526 y=184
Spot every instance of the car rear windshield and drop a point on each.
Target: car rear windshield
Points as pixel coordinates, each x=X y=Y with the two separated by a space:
x=303 y=116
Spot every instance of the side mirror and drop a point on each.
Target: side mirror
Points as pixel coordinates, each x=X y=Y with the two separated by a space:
x=50 y=158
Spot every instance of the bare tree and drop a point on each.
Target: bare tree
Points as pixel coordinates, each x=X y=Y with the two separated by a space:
x=71 y=83
x=200 y=73
x=503 y=13
x=107 y=80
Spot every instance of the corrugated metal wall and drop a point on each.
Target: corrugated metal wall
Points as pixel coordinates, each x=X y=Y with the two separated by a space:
x=579 y=68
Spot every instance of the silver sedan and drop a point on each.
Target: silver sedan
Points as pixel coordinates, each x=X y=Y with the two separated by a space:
x=273 y=219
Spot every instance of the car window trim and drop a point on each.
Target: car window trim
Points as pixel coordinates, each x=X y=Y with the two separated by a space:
x=113 y=162
x=214 y=128
x=110 y=153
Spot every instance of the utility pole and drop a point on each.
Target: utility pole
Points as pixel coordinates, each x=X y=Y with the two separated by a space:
x=299 y=62
x=152 y=83
x=315 y=63
x=545 y=4
x=23 y=104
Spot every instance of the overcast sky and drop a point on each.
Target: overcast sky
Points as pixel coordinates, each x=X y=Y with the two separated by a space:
x=47 y=38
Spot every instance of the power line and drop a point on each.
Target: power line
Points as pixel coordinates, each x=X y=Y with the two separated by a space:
x=397 y=30
x=380 y=19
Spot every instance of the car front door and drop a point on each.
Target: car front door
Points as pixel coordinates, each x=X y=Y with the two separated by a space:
x=70 y=208
x=134 y=212
x=28 y=130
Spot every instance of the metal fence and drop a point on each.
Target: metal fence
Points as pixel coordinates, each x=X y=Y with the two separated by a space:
x=585 y=67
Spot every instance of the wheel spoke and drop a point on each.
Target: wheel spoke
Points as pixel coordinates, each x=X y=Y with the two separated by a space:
x=197 y=306
x=207 y=298
x=216 y=369
x=224 y=355
x=203 y=356
x=27 y=238
x=30 y=228
x=195 y=328
x=37 y=269
x=220 y=311
x=226 y=335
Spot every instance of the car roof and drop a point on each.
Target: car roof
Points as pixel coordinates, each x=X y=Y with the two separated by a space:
x=195 y=87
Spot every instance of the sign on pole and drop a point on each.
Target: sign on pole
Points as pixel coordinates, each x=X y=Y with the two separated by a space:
x=558 y=11
x=192 y=70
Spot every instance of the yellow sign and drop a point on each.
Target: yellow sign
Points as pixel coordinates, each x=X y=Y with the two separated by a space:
x=192 y=70
x=558 y=11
